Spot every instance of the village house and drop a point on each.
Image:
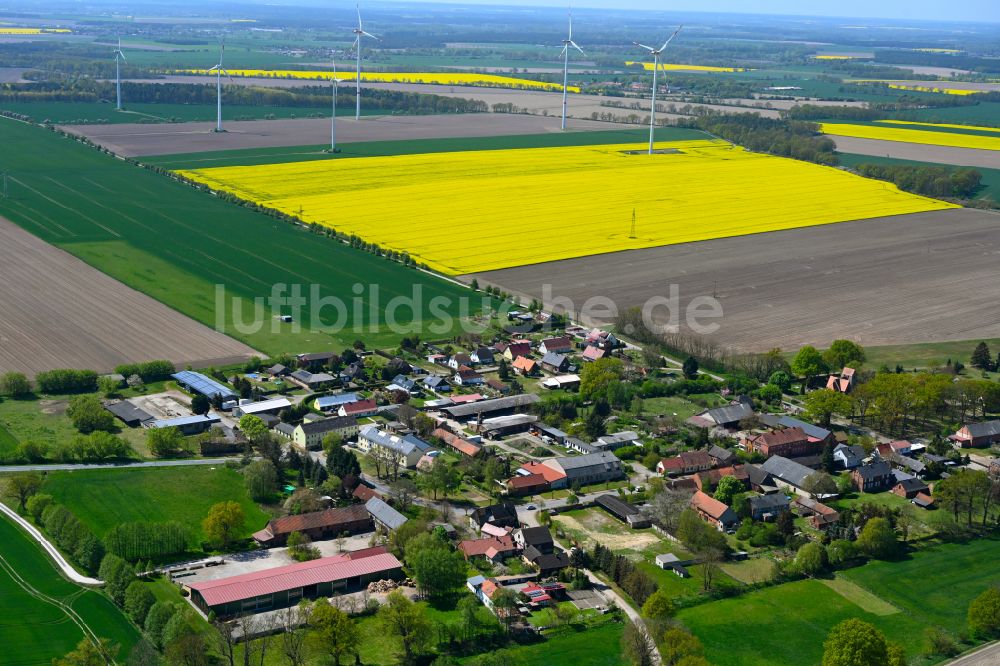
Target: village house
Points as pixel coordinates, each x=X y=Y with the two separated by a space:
x=437 y=383
x=710 y=478
x=788 y=443
x=721 y=457
x=786 y=473
x=842 y=383
x=686 y=462
x=463 y=446
x=524 y=366
x=358 y=409
x=514 y=349
x=767 y=507
x=524 y=485
x=874 y=477
x=501 y=515
x=458 y=360
x=559 y=345
x=315 y=361
x=494 y=549
x=483 y=356
x=591 y=354
x=555 y=478
x=713 y=511
x=849 y=457
x=309 y=436
x=407 y=450
x=331 y=403
x=977 y=435
x=555 y=362
x=466 y=376
x=312 y=381
x=820 y=515
x=910 y=488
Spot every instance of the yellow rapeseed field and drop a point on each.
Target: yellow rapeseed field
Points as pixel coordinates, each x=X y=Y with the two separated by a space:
x=927 y=137
x=930 y=89
x=676 y=67
x=914 y=123
x=32 y=31
x=473 y=211
x=437 y=78
x=835 y=57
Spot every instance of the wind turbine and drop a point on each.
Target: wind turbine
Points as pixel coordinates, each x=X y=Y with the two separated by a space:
x=656 y=67
x=119 y=56
x=568 y=42
x=359 y=32
x=334 y=85
x=218 y=69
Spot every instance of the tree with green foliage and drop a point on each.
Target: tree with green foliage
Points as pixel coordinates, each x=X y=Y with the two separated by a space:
x=340 y=462
x=841 y=552
x=403 y=619
x=223 y=523
x=261 y=479
x=333 y=632
x=88 y=414
x=117 y=575
x=156 y=621
x=200 y=404
x=253 y=427
x=597 y=376
x=843 y=354
x=164 y=442
x=437 y=569
x=37 y=504
x=981 y=357
x=108 y=386
x=14 y=384
x=821 y=405
x=984 y=614
x=88 y=653
x=138 y=600
x=180 y=624
x=677 y=644
x=729 y=487
x=819 y=483
x=877 y=539
x=769 y=393
x=690 y=367
x=808 y=363
x=637 y=647
x=659 y=606
x=811 y=560
x=21 y=486
x=781 y=379
x=855 y=642
x=594 y=425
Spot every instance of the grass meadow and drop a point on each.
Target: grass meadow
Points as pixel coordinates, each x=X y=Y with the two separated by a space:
x=177 y=244
x=102 y=499
x=33 y=630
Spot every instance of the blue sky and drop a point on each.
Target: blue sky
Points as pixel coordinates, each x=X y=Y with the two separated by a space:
x=934 y=10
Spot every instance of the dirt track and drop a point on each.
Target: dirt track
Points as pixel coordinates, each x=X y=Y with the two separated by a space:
x=58 y=312
x=141 y=139
x=914 y=278
x=987 y=159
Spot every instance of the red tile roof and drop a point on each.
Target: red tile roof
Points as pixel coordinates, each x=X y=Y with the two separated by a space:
x=366 y=552
x=478 y=547
x=359 y=407
x=708 y=505
x=293 y=576
x=471 y=397
x=457 y=443
x=316 y=519
x=364 y=493
x=523 y=363
x=545 y=471
x=529 y=481
x=593 y=353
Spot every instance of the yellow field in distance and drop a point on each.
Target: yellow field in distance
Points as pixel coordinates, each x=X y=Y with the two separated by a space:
x=676 y=67
x=32 y=31
x=926 y=137
x=435 y=78
x=474 y=211
x=835 y=57
x=929 y=89
x=914 y=123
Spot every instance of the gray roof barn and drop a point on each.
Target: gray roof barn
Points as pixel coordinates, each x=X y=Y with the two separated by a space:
x=489 y=406
x=730 y=413
x=787 y=470
x=384 y=514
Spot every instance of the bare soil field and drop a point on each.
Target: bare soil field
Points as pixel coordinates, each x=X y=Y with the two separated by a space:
x=594 y=527
x=987 y=159
x=928 y=70
x=58 y=312
x=141 y=139
x=896 y=280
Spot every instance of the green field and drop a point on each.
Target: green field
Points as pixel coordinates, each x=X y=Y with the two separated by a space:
x=104 y=498
x=924 y=354
x=991 y=177
x=76 y=113
x=787 y=624
x=593 y=646
x=178 y=244
x=7 y=441
x=257 y=156
x=983 y=113
x=34 y=631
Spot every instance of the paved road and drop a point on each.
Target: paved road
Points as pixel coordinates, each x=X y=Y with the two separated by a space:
x=987 y=656
x=53 y=552
x=80 y=466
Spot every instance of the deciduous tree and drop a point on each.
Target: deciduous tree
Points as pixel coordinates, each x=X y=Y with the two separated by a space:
x=855 y=642
x=333 y=632
x=223 y=523
x=401 y=618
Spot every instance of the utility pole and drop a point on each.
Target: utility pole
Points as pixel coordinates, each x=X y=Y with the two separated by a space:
x=632 y=232
x=4 y=175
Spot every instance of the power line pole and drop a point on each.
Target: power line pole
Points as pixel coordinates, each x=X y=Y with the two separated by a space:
x=632 y=232
x=4 y=175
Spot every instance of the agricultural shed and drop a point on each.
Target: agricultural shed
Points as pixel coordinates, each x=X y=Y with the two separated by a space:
x=128 y=413
x=196 y=382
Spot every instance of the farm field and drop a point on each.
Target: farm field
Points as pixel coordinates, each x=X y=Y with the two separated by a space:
x=104 y=498
x=112 y=323
x=990 y=188
x=917 y=152
x=982 y=141
x=430 y=78
x=177 y=244
x=972 y=129
x=676 y=67
x=313 y=134
x=932 y=587
x=806 y=286
x=548 y=180
x=35 y=631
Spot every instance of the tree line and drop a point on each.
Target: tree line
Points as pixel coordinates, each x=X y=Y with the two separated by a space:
x=931 y=181
x=783 y=137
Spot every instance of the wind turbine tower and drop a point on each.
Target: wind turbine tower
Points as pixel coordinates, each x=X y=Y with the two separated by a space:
x=219 y=71
x=568 y=42
x=359 y=32
x=119 y=57
x=656 y=53
x=335 y=87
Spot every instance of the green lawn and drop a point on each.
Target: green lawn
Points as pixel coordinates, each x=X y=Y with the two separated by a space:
x=8 y=443
x=923 y=522
x=102 y=499
x=669 y=406
x=256 y=156
x=78 y=113
x=787 y=624
x=592 y=645
x=179 y=244
x=34 y=631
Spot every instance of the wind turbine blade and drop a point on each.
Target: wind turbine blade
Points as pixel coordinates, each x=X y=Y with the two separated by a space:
x=575 y=46
x=123 y=56
x=563 y=52
x=358 y=7
x=368 y=34
x=648 y=48
x=212 y=69
x=570 y=38
x=671 y=37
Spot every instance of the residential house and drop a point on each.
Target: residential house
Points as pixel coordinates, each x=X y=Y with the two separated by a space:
x=436 y=383
x=501 y=515
x=277 y=370
x=494 y=549
x=331 y=403
x=524 y=485
x=713 y=511
x=686 y=462
x=597 y=467
x=312 y=381
x=524 y=366
x=466 y=376
x=458 y=360
x=317 y=525
x=788 y=443
x=977 y=435
x=438 y=359
x=617 y=440
x=843 y=382
x=483 y=356
x=924 y=501
x=848 y=457
x=403 y=383
x=555 y=362
x=875 y=477
x=711 y=478
x=363 y=493
x=561 y=345
x=767 y=507
x=787 y=473
x=541 y=596
x=315 y=361
x=820 y=515
x=901 y=447
x=309 y=436
x=515 y=349
x=910 y=488
x=602 y=339
x=500 y=387
x=407 y=450
x=358 y=409
x=555 y=478
x=537 y=537
x=385 y=517
x=593 y=354
x=760 y=480
x=548 y=564
x=813 y=432
x=721 y=457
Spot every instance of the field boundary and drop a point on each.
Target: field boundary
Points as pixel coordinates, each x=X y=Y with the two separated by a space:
x=864 y=599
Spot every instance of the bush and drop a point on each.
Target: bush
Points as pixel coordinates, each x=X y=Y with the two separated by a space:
x=117 y=575
x=150 y=371
x=138 y=601
x=156 y=621
x=940 y=642
x=984 y=613
x=88 y=414
x=66 y=381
